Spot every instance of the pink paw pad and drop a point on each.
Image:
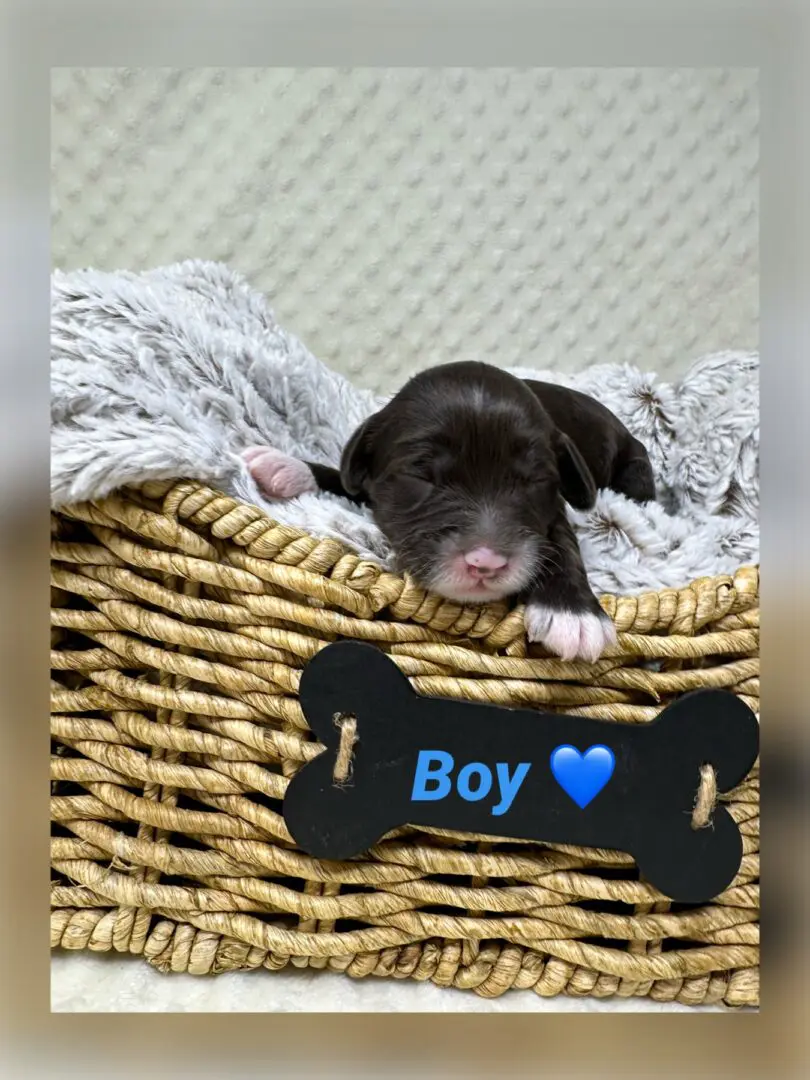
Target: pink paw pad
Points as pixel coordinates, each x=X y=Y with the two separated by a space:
x=278 y=475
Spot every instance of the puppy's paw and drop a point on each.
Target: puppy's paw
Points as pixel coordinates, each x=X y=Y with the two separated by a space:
x=570 y=635
x=278 y=475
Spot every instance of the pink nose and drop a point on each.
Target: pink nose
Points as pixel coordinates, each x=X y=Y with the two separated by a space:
x=484 y=562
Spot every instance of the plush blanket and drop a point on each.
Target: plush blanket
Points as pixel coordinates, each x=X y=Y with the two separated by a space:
x=171 y=373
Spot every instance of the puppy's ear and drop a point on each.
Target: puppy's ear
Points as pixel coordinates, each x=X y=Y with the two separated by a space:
x=355 y=462
x=576 y=483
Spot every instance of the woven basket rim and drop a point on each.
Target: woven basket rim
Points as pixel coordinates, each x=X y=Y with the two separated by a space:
x=179 y=489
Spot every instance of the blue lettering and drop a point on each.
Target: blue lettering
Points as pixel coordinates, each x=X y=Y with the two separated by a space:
x=509 y=785
x=433 y=781
x=437 y=776
x=484 y=775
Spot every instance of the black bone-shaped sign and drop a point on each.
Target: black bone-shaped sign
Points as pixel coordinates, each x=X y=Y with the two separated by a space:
x=518 y=773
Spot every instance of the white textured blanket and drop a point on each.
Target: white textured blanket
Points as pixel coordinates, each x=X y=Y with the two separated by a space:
x=171 y=373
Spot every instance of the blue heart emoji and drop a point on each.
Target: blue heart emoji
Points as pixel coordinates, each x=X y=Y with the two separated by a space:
x=582 y=776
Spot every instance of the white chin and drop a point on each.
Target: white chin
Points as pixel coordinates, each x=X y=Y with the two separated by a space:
x=470 y=596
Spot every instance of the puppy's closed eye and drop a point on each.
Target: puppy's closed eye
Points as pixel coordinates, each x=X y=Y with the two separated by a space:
x=417 y=487
x=533 y=480
x=422 y=469
x=427 y=472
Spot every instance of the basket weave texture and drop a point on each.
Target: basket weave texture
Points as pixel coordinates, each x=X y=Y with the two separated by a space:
x=182 y=619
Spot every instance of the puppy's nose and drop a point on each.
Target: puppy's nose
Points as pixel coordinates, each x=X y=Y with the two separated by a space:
x=484 y=562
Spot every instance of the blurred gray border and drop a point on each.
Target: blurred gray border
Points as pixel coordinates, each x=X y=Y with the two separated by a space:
x=37 y=36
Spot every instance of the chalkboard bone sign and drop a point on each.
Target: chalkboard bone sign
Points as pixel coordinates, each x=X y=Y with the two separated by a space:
x=395 y=758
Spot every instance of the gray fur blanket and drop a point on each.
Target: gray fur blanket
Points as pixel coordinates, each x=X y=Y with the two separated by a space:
x=171 y=373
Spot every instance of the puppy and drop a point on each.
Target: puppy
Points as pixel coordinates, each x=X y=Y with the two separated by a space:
x=466 y=471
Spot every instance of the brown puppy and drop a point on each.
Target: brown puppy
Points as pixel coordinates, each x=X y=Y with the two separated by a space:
x=466 y=471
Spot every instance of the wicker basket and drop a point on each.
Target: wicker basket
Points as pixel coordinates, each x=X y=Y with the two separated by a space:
x=182 y=619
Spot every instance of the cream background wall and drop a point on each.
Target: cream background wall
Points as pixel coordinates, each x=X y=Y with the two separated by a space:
x=399 y=218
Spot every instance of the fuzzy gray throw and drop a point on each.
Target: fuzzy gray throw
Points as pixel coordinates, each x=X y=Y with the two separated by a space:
x=173 y=372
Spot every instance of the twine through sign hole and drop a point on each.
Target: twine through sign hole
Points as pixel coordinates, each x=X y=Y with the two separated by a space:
x=347 y=726
x=706 y=798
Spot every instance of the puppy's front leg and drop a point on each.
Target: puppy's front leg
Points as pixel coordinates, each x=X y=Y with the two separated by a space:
x=281 y=476
x=562 y=612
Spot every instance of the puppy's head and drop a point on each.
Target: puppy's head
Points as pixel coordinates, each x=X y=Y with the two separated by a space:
x=465 y=473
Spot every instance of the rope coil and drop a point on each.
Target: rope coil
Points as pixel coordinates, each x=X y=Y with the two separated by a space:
x=344 y=759
x=706 y=798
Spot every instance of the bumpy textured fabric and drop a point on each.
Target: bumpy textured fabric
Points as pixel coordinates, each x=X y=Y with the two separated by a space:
x=173 y=372
x=398 y=217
